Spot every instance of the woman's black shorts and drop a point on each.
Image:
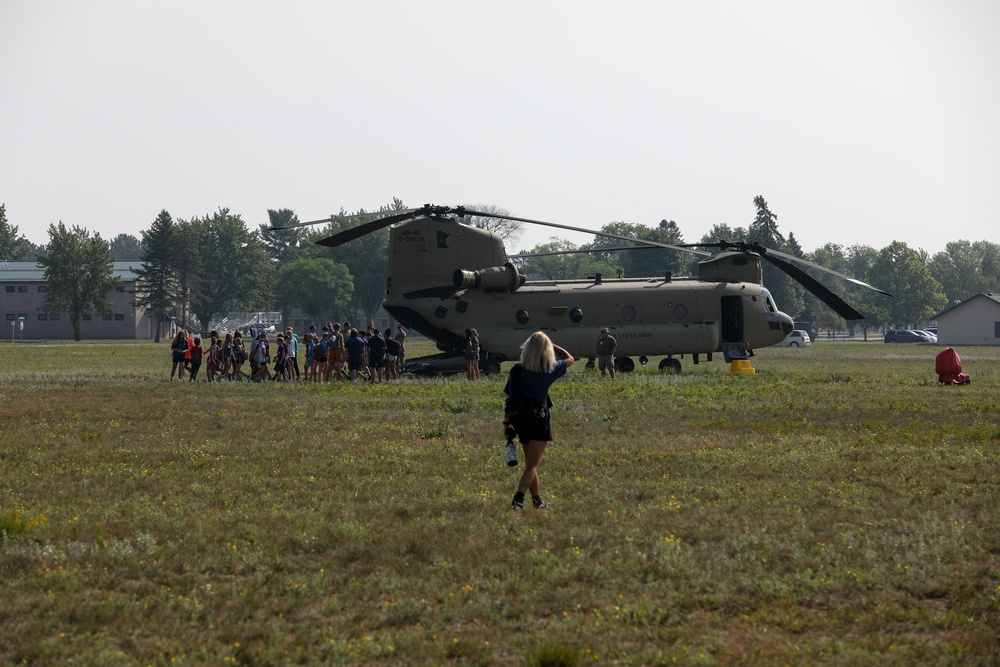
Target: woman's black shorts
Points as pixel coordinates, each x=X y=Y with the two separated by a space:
x=533 y=429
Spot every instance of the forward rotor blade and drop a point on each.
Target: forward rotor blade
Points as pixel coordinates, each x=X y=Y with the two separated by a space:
x=618 y=237
x=764 y=251
x=823 y=268
x=838 y=305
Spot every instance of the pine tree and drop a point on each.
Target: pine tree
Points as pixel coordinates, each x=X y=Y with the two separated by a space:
x=156 y=278
x=12 y=246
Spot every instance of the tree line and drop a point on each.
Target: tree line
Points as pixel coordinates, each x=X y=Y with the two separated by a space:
x=199 y=268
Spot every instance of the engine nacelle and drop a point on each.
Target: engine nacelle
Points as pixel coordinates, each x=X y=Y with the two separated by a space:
x=504 y=278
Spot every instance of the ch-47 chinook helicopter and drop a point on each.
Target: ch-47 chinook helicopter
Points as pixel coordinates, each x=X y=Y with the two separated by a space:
x=446 y=276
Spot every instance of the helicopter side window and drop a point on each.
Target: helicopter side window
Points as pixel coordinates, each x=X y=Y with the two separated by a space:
x=522 y=317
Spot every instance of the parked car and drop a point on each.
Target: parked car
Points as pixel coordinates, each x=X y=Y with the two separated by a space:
x=929 y=335
x=798 y=338
x=905 y=336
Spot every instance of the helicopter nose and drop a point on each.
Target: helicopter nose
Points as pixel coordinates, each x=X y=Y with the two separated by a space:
x=787 y=323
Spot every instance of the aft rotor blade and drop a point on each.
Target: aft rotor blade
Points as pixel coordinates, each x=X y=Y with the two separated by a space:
x=355 y=216
x=838 y=305
x=618 y=237
x=357 y=232
x=579 y=250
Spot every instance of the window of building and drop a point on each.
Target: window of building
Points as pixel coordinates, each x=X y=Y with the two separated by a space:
x=119 y=317
x=54 y=317
x=87 y=317
x=107 y=317
x=42 y=317
x=43 y=288
x=11 y=317
x=22 y=316
x=22 y=288
x=119 y=288
x=10 y=288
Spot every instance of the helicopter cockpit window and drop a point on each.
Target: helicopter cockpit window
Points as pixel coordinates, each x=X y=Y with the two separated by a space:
x=522 y=317
x=767 y=305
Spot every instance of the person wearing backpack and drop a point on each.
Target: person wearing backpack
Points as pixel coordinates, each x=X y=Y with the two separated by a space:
x=320 y=353
x=528 y=407
x=391 y=354
x=337 y=353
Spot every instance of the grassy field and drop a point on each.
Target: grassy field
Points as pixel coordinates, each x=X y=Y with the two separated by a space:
x=838 y=507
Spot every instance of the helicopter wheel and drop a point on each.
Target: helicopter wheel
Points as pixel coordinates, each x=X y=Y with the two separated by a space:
x=670 y=365
x=491 y=367
x=624 y=365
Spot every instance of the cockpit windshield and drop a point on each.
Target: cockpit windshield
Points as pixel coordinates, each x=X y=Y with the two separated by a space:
x=767 y=303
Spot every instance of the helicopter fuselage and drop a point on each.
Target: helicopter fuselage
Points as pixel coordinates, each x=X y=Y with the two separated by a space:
x=446 y=277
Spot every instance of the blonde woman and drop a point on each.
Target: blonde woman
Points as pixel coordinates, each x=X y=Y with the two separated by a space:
x=542 y=363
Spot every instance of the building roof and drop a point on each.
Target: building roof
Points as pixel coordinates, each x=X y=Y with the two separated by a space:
x=995 y=298
x=33 y=272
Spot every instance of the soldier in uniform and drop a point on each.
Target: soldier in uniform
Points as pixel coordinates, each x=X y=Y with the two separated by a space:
x=606 y=346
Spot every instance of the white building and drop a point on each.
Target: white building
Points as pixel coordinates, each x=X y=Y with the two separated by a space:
x=975 y=321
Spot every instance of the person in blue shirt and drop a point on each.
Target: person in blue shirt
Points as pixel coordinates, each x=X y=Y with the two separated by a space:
x=542 y=363
x=355 y=355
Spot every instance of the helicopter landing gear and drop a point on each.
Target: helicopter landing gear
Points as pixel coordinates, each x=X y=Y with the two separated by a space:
x=490 y=367
x=670 y=365
x=624 y=365
x=590 y=364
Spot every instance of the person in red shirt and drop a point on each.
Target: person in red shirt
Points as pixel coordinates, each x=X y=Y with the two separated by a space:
x=196 y=354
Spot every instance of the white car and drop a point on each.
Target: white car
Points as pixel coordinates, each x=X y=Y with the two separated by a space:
x=798 y=338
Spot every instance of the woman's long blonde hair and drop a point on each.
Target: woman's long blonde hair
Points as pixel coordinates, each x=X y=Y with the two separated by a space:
x=537 y=354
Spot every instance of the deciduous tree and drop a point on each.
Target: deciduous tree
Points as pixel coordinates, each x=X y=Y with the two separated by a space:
x=125 y=247
x=320 y=287
x=567 y=265
x=78 y=274
x=234 y=272
x=965 y=269
x=644 y=262
x=367 y=259
x=508 y=230
x=916 y=294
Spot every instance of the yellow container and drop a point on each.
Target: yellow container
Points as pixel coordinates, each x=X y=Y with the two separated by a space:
x=741 y=366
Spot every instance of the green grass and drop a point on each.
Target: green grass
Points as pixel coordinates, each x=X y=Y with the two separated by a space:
x=837 y=507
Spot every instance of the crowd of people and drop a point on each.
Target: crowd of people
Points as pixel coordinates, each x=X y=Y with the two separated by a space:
x=334 y=354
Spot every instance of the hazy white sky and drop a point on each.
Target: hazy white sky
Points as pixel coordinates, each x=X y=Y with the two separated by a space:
x=859 y=121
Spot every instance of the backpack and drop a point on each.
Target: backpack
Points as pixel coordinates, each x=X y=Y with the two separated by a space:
x=392 y=347
x=519 y=409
